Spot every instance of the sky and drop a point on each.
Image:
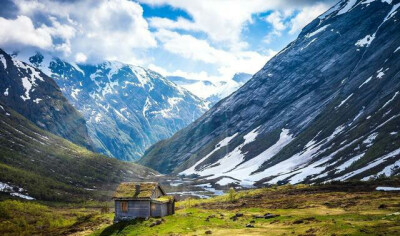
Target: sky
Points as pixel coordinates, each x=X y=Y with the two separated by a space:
x=196 y=39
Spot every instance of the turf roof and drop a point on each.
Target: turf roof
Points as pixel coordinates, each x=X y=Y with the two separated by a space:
x=165 y=199
x=129 y=190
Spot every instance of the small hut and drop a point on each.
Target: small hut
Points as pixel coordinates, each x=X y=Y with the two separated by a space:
x=141 y=200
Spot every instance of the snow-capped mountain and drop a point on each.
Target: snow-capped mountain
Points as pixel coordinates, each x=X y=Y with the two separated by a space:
x=36 y=96
x=327 y=107
x=127 y=108
x=212 y=91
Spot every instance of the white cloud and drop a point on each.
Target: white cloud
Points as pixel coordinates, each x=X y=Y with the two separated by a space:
x=101 y=29
x=97 y=30
x=276 y=18
x=21 y=32
x=294 y=22
x=80 y=57
x=306 y=15
x=165 y=23
x=223 y=20
x=228 y=62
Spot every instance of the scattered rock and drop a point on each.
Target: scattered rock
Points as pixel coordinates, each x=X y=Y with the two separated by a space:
x=234 y=218
x=252 y=222
x=239 y=214
x=208 y=232
x=157 y=222
x=298 y=222
x=311 y=230
x=382 y=206
x=269 y=216
x=249 y=226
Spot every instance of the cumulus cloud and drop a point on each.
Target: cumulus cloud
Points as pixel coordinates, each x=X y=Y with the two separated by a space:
x=101 y=29
x=21 y=32
x=180 y=23
x=95 y=30
x=228 y=61
x=80 y=57
x=224 y=20
x=305 y=16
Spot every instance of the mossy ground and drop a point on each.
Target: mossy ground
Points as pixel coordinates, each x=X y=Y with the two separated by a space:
x=31 y=218
x=303 y=210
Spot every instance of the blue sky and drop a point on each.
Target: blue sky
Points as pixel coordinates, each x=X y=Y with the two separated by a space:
x=198 y=39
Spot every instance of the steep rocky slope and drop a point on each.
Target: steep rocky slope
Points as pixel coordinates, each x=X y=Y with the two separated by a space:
x=127 y=108
x=327 y=107
x=35 y=164
x=37 y=97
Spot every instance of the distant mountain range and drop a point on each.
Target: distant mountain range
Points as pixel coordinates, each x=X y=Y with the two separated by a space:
x=127 y=108
x=327 y=107
x=212 y=91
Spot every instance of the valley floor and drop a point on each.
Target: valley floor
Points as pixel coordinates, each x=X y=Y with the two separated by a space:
x=303 y=210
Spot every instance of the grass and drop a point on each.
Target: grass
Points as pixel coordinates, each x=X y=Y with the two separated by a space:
x=50 y=168
x=31 y=218
x=303 y=210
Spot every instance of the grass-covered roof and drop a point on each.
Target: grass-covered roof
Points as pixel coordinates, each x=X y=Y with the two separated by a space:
x=130 y=190
x=165 y=199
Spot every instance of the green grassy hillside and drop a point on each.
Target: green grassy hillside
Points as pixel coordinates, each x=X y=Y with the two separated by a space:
x=51 y=168
x=335 y=209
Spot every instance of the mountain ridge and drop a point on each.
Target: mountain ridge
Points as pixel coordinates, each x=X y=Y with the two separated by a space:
x=36 y=96
x=127 y=108
x=303 y=116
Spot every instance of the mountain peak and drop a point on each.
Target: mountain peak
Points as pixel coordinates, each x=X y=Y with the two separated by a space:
x=322 y=109
x=127 y=107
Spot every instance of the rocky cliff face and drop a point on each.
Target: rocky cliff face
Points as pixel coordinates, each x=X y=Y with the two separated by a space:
x=327 y=107
x=37 y=97
x=127 y=108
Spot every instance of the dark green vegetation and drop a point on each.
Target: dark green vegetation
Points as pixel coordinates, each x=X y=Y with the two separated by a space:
x=335 y=209
x=50 y=168
x=31 y=218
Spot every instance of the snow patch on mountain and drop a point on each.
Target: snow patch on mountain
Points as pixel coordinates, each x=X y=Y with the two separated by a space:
x=3 y=61
x=365 y=82
x=319 y=30
x=392 y=12
x=344 y=101
x=225 y=181
x=366 y=41
x=370 y=165
x=370 y=139
x=390 y=100
x=14 y=191
x=349 y=162
x=349 y=5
